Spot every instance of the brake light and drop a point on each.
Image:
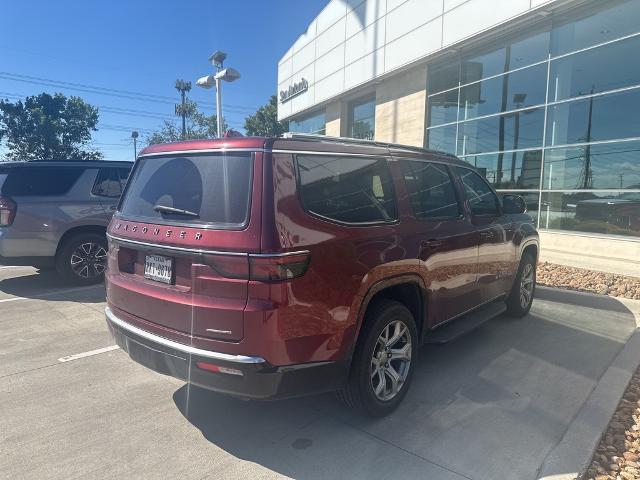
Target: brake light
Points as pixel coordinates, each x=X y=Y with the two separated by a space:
x=260 y=267
x=7 y=211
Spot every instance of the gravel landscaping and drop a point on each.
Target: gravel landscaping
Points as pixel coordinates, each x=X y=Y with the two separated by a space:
x=617 y=457
x=583 y=280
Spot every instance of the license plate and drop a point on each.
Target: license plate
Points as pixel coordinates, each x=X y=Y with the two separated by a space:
x=158 y=268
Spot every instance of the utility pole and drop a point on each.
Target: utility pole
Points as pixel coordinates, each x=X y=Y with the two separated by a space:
x=134 y=135
x=183 y=87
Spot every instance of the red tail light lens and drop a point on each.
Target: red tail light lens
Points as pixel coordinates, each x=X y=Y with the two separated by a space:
x=260 y=267
x=7 y=211
x=277 y=268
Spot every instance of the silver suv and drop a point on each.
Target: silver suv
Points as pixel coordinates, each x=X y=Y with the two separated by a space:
x=55 y=213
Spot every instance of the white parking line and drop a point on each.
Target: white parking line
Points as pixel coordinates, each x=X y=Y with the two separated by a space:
x=48 y=294
x=88 y=354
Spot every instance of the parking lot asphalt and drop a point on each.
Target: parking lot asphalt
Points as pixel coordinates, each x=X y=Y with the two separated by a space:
x=490 y=405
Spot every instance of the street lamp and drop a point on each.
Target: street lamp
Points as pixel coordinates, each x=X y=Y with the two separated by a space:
x=134 y=135
x=223 y=74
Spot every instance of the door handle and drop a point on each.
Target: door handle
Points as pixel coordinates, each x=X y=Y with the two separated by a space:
x=486 y=235
x=432 y=243
x=113 y=207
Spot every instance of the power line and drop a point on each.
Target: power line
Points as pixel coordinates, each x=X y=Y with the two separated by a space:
x=132 y=95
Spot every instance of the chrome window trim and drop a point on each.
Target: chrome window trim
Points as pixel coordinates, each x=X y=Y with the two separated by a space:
x=188 y=349
x=195 y=151
x=201 y=251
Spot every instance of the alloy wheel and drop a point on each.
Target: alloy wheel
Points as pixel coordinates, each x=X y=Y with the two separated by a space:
x=526 y=285
x=88 y=260
x=391 y=360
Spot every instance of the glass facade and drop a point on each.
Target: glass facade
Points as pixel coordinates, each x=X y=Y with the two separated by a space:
x=552 y=115
x=314 y=123
x=362 y=119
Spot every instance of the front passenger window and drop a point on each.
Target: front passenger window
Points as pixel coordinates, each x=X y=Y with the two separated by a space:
x=481 y=198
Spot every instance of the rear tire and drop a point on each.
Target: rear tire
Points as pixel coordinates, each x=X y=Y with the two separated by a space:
x=383 y=361
x=524 y=287
x=82 y=259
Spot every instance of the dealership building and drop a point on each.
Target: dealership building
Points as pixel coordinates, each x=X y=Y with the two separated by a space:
x=542 y=96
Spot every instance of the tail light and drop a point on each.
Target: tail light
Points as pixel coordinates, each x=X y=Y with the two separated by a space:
x=260 y=267
x=7 y=211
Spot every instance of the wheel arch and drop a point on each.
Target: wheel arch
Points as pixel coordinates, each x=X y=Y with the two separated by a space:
x=97 y=229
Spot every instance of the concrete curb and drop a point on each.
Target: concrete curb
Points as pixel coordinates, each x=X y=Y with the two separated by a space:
x=571 y=456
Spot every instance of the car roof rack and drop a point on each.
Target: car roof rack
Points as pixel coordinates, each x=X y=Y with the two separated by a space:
x=360 y=141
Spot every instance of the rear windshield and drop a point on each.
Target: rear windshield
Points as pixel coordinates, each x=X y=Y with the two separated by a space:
x=210 y=189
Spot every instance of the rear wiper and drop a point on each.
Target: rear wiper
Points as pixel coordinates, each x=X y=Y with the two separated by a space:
x=180 y=211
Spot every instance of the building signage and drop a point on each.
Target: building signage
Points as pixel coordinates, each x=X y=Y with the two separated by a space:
x=294 y=90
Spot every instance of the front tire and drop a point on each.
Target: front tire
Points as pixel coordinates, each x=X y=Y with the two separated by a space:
x=82 y=259
x=524 y=287
x=383 y=360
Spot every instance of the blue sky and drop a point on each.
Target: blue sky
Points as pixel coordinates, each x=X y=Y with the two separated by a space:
x=143 y=47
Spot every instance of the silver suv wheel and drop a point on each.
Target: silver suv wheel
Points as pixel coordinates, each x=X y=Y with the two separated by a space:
x=526 y=285
x=391 y=360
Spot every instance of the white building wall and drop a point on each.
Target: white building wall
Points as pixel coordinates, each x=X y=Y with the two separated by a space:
x=353 y=42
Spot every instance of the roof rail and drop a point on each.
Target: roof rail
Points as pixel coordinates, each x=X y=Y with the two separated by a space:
x=359 y=141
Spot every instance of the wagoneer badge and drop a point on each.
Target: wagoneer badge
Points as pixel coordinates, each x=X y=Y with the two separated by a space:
x=156 y=231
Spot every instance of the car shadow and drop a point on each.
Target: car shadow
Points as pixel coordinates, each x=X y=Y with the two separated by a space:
x=47 y=285
x=491 y=404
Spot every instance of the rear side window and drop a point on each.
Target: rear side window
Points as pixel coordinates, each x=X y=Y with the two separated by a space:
x=40 y=181
x=481 y=198
x=110 y=182
x=431 y=191
x=210 y=189
x=346 y=189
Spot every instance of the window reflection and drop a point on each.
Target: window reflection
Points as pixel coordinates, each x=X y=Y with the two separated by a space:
x=617 y=20
x=604 y=68
x=443 y=108
x=524 y=88
x=606 y=117
x=363 y=119
x=510 y=170
x=616 y=213
x=442 y=139
x=605 y=166
x=511 y=131
x=314 y=123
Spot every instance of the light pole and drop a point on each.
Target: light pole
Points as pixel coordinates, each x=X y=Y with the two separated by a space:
x=134 y=135
x=226 y=74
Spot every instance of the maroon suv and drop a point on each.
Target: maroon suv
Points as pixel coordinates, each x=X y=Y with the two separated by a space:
x=273 y=267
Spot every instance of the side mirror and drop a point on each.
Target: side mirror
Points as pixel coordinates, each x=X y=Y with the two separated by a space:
x=513 y=204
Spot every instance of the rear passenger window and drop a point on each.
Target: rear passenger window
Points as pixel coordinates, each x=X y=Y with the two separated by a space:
x=346 y=189
x=40 y=181
x=481 y=198
x=431 y=191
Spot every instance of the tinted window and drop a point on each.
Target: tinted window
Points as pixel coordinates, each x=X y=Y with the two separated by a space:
x=606 y=117
x=443 y=108
x=442 y=138
x=598 y=70
x=524 y=88
x=123 y=175
x=481 y=198
x=213 y=187
x=511 y=131
x=346 y=189
x=431 y=190
x=312 y=124
x=107 y=183
x=363 y=119
x=600 y=166
x=443 y=77
x=614 y=22
x=40 y=181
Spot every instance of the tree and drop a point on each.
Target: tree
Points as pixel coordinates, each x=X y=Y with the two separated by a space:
x=264 y=123
x=45 y=127
x=199 y=126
